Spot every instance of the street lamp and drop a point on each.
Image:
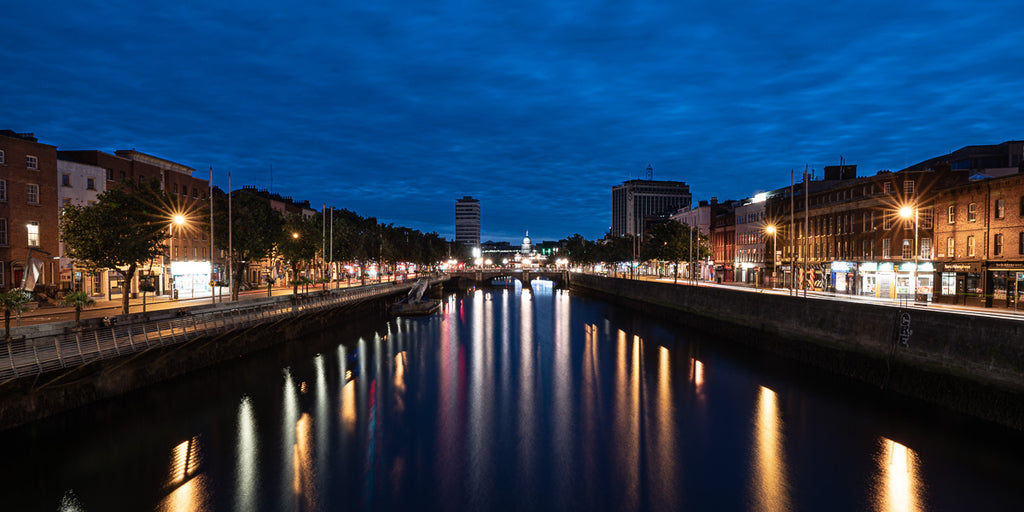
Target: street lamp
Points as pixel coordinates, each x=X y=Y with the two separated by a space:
x=179 y=220
x=905 y=213
x=775 y=236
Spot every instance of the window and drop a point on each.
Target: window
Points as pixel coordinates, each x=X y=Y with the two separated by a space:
x=204 y=253
x=926 y=248
x=908 y=187
x=90 y=183
x=1000 y=208
x=195 y=253
x=908 y=248
x=31 y=162
x=951 y=247
x=33 y=233
x=65 y=180
x=3 y=232
x=110 y=174
x=887 y=187
x=122 y=175
x=925 y=218
x=2 y=161
x=195 y=193
x=1020 y=242
x=970 y=247
x=886 y=248
x=3 y=190
x=1 y=274
x=887 y=222
x=972 y=212
x=175 y=189
x=32 y=193
x=951 y=213
x=997 y=244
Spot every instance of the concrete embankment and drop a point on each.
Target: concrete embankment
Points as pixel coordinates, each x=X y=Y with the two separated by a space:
x=32 y=398
x=971 y=364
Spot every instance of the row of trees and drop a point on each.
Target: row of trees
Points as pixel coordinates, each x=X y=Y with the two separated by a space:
x=129 y=228
x=668 y=241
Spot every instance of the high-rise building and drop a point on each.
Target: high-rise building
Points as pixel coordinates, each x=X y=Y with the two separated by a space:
x=635 y=200
x=467 y=221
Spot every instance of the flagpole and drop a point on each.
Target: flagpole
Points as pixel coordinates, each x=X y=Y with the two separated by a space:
x=231 y=249
x=332 y=248
x=213 y=286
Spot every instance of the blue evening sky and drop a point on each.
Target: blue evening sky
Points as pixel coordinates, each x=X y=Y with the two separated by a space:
x=396 y=109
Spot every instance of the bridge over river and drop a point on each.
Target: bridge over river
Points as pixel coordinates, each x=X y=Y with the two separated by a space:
x=484 y=276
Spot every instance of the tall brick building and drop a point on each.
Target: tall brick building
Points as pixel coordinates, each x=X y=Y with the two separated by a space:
x=28 y=212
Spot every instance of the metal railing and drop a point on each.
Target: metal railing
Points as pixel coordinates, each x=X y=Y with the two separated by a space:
x=37 y=355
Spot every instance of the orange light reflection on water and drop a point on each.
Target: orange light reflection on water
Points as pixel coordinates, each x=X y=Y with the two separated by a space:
x=898 y=485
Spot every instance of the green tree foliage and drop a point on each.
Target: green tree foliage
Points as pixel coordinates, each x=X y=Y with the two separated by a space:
x=298 y=242
x=77 y=300
x=579 y=250
x=13 y=301
x=125 y=229
x=255 y=230
x=667 y=241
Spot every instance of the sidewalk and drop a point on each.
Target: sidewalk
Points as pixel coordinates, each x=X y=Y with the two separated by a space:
x=53 y=312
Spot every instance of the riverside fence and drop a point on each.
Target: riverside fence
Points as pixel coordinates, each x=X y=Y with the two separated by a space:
x=36 y=355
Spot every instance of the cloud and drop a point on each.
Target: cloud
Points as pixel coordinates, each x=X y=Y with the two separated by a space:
x=396 y=109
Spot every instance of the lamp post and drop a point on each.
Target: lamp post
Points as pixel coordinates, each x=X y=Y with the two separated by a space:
x=176 y=219
x=905 y=213
x=775 y=236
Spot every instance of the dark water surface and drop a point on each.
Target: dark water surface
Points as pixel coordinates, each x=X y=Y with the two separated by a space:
x=509 y=400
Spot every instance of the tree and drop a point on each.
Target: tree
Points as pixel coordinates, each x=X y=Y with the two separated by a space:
x=255 y=229
x=13 y=301
x=667 y=241
x=297 y=243
x=580 y=251
x=125 y=229
x=78 y=300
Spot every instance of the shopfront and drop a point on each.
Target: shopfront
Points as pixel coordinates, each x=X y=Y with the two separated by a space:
x=959 y=283
x=1006 y=280
x=191 y=279
x=844 y=276
x=877 y=279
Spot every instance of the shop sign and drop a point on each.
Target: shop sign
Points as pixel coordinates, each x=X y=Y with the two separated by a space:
x=906 y=267
x=1008 y=265
x=868 y=266
x=843 y=266
x=959 y=267
x=885 y=267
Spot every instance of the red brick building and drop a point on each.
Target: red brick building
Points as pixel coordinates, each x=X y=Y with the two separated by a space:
x=29 y=231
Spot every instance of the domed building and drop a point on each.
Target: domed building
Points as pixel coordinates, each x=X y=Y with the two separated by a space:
x=527 y=246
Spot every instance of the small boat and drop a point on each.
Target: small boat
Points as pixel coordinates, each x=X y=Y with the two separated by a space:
x=414 y=303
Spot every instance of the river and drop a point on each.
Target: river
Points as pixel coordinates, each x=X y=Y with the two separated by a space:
x=509 y=400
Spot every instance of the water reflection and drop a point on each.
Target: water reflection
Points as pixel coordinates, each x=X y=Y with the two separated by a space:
x=898 y=485
x=289 y=419
x=189 y=488
x=769 y=482
x=246 y=458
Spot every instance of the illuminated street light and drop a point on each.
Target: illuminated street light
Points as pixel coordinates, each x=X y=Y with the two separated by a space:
x=775 y=236
x=905 y=213
x=179 y=220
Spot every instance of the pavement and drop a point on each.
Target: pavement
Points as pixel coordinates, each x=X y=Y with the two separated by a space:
x=54 y=313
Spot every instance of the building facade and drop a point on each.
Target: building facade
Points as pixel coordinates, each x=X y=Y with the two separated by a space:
x=29 y=230
x=467 y=221
x=635 y=200
x=78 y=185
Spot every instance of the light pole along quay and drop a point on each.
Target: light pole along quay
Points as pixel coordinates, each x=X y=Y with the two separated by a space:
x=905 y=213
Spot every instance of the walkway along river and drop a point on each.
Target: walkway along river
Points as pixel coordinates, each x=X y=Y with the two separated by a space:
x=508 y=400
